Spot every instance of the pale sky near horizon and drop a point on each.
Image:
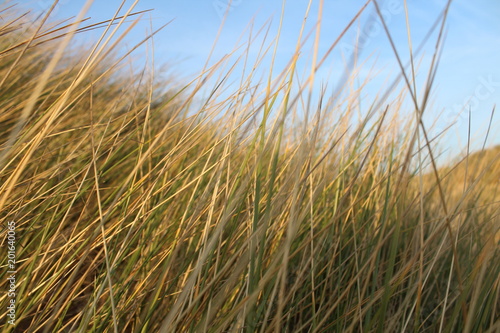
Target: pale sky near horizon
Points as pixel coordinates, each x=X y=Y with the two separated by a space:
x=468 y=74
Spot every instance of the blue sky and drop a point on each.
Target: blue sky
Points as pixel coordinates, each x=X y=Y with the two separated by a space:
x=469 y=72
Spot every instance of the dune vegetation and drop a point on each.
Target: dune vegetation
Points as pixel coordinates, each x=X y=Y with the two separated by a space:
x=143 y=203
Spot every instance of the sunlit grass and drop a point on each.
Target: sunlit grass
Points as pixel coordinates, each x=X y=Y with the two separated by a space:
x=145 y=205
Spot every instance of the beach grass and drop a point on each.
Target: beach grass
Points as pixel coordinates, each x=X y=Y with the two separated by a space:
x=146 y=203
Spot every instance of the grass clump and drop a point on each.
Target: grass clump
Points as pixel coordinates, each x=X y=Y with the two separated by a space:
x=145 y=206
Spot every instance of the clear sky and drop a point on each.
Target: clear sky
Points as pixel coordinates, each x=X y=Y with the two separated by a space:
x=469 y=72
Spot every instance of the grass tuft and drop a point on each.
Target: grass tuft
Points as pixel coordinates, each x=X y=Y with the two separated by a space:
x=144 y=204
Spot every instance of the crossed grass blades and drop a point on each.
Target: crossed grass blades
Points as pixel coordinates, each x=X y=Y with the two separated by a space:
x=144 y=204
